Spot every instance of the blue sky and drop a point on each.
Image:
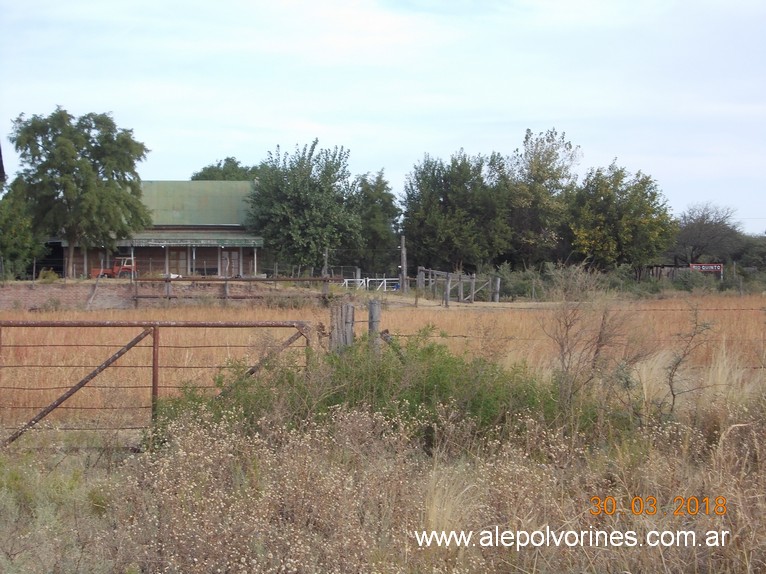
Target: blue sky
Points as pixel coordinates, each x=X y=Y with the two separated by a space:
x=675 y=89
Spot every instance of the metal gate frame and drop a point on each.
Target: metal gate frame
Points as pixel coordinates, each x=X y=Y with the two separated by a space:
x=303 y=329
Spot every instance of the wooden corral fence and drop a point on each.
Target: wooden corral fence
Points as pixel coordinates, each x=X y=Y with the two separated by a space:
x=40 y=359
x=442 y=283
x=229 y=288
x=373 y=283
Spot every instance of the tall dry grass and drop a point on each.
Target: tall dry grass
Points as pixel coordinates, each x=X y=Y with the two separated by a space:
x=348 y=495
x=669 y=402
x=645 y=338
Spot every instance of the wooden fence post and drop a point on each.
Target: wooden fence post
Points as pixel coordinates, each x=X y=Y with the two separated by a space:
x=432 y=284
x=496 y=290
x=342 y=330
x=374 y=325
x=155 y=370
x=447 y=289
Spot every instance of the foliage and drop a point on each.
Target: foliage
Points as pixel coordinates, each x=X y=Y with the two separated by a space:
x=301 y=203
x=229 y=169
x=20 y=242
x=753 y=252
x=417 y=380
x=688 y=280
x=542 y=174
x=453 y=215
x=617 y=218
x=707 y=233
x=477 y=210
x=48 y=276
x=378 y=213
x=513 y=284
x=79 y=178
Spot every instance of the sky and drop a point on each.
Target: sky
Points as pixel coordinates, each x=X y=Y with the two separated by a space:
x=674 y=89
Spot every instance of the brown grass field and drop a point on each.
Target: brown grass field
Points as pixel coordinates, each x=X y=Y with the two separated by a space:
x=732 y=355
x=347 y=494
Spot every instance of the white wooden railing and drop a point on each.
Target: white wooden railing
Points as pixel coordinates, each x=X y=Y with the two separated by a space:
x=373 y=284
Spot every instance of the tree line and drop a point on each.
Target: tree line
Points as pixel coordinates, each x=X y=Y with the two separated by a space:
x=79 y=181
x=477 y=212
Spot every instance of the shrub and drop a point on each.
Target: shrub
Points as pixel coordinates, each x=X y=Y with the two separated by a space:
x=48 y=276
x=416 y=379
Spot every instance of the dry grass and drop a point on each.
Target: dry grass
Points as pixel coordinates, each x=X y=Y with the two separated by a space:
x=729 y=360
x=40 y=364
x=347 y=492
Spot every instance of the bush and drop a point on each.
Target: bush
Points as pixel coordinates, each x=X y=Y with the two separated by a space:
x=515 y=284
x=416 y=380
x=47 y=276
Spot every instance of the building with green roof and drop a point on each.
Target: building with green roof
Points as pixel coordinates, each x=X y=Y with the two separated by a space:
x=198 y=228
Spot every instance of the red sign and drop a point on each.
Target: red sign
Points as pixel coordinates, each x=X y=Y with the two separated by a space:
x=707 y=267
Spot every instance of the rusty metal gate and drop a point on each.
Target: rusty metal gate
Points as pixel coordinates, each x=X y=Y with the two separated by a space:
x=134 y=363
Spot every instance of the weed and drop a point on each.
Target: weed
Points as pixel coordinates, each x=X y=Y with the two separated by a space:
x=48 y=276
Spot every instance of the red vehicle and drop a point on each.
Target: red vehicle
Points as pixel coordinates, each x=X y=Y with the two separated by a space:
x=122 y=267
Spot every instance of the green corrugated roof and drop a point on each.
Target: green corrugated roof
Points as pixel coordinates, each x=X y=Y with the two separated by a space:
x=198 y=238
x=197 y=202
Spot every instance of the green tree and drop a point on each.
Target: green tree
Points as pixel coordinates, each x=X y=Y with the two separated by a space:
x=478 y=210
x=706 y=233
x=753 y=251
x=301 y=203
x=540 y=174
x=79 y=178
x=229 y=169
x=454 y=213
x=19 y=242
x=378 y=214
x=619 y=218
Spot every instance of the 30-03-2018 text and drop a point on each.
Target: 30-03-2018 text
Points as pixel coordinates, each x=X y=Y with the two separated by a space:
x=648 y=506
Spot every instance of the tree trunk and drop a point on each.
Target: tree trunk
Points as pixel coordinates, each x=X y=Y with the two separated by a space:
x=69 y=271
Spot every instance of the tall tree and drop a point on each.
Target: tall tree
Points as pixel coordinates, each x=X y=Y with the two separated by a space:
x=20 y=242
x=378 y=214
x=616 y=217
x=707 y=232
x=454 y=215
x=79 y=178
x=301 y=203
x=229 y=169
x=541 y=173
x=753 y=251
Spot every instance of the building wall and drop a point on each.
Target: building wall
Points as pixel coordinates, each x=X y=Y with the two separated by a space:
x=185 y=261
